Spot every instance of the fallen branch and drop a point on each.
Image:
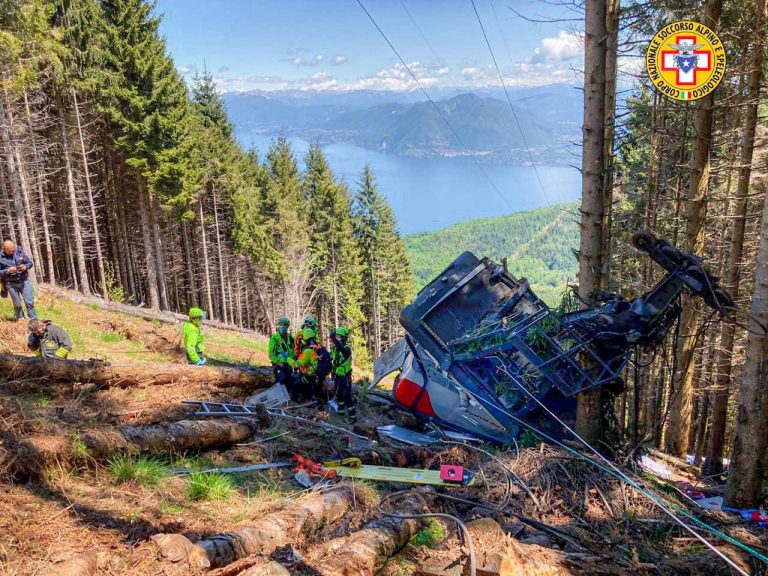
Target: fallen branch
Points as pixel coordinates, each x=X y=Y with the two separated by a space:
x=306 y=515
x=124 y=375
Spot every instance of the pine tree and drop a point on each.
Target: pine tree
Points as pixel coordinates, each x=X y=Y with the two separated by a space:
x=386 y=273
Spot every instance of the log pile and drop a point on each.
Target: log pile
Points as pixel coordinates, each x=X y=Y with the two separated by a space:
x=303 y=517
x=124 y=375
x=365 y=551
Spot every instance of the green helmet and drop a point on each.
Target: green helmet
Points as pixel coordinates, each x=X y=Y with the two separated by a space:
x=196 y=313
x=310 y=322
x=342 y=331
x=309 y=333
x=283 y=321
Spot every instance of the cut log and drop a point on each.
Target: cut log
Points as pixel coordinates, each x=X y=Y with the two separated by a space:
x=36 y=452
x=252 y=566
x=124 y=375
x=365 y=551
x=305 y=516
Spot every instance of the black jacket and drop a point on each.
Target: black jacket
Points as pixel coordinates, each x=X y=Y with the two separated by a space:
x=54 y=343
x=6 y=262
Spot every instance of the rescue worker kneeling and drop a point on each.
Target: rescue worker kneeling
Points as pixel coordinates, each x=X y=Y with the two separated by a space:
x=48 y=340
x=281 y=353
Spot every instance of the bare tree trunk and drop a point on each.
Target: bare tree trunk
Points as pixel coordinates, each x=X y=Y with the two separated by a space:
x=208 y=298
x=192 y=290
x=220 y=255
x=609 y=114
x=48 y=248
x=13 y=177
x=589 y=420
x=749 y=442
x=145 y=205
x=714 y=450
x=91 y=203
x=677 y=434
x=73 y=208
x=157 y=243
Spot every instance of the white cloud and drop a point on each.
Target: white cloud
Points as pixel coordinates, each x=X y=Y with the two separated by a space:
x=242 y=83
x=320 y=81
x=397 y=78
x=564 y=46
x=184 y=70
x=472 y=73
x=314 y=61
x=338 y=60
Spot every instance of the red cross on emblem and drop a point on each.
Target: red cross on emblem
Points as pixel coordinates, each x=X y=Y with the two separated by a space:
x=683 y=78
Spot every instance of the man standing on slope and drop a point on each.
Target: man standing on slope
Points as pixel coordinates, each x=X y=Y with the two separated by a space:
x=192 y=337
x=341 y=359
x=281 y=353
x=48 y=340
x=14 y=275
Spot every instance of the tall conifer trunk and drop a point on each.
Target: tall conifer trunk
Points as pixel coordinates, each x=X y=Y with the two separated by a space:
x=678 y=432
x=732 y=279
x=589 y=408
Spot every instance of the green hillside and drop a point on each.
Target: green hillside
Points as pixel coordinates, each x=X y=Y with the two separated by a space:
x=538 y=243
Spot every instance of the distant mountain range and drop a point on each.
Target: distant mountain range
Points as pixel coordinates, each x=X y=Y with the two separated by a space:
x=401 y=123
x=539 y=244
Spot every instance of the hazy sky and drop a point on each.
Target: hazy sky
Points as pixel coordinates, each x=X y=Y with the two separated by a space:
x=332 y=45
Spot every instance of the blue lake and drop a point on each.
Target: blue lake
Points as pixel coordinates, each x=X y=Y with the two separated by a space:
x=432 y=193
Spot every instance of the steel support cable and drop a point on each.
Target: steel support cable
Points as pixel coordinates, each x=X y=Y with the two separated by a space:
x=616 y=472
x=436 y=107
x=509 y=100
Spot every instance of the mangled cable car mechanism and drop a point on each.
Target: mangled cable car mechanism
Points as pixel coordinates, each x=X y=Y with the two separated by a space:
x=482 y=350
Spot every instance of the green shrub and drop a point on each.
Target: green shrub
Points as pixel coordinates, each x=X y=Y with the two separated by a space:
x=208 y=486
x=142 y=470
x=79 y=449
x=111 y=337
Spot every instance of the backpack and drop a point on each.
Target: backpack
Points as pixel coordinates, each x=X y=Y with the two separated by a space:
x=324 y=364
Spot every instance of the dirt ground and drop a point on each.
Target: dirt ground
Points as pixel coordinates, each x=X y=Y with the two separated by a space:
x=560 y=513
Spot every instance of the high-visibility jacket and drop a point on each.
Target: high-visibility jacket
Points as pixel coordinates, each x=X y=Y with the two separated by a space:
x=281 y=348
x=192 y=339
x=307 y=361
x=341 y=357
x=54 y=343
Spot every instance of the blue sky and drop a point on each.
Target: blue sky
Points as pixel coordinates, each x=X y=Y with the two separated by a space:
x=332 y=45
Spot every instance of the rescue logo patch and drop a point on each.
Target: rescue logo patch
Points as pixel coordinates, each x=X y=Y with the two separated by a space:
x=685 y=60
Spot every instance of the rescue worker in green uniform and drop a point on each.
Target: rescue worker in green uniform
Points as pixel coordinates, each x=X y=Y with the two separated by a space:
x=48 y=340
x=281 y=353
x=309 y=322
x=341 y=359
x=192 y=337
x=305 y=381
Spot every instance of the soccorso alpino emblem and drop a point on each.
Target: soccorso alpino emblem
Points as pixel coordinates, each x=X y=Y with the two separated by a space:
x=685 y=60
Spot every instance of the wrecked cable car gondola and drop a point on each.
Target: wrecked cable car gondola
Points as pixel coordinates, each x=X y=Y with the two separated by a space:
x=482 y=351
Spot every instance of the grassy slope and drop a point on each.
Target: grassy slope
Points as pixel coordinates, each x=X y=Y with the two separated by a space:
x=539 y=244
x=113 y=336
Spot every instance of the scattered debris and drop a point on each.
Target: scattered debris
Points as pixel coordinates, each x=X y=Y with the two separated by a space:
x=272 y=397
